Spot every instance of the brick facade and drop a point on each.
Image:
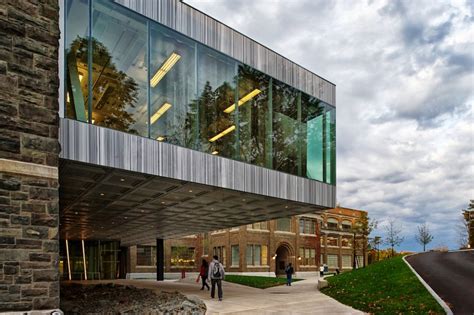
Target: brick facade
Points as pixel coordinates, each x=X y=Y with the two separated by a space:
x=29 y=149
x=290 y=241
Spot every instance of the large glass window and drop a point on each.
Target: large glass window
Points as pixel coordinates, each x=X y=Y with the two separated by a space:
x=119 y=68
x=182 y=256
x=254 y=255
x=254 y=116
x=76 y=59
x=216 y=99
x=173 y=107
x=307 y=226
x=283 y=224
x=235 y=255
x=146 y=255
x=132 y=74
x=308 y=256
x=333 y=261
x=220 y=252
x=258 y=226
x=286 y=106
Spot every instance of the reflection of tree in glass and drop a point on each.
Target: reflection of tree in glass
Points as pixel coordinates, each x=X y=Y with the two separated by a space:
x=285 y=128
x=114 y=92
x=253 y=115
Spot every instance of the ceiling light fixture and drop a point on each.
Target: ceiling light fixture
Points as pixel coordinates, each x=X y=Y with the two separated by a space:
x=243 y=100
x=102 y=194
x=160 y=112
x=223 y=133
x=122 y=179
x=165 y=67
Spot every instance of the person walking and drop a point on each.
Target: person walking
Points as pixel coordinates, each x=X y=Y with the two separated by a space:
x=289 y=274
x=203 y=272
x=216 y=274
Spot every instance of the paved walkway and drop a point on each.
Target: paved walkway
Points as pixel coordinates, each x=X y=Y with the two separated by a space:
x=301 y=298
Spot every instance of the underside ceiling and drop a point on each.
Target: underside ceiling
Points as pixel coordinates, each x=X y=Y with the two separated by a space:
x=103 y=203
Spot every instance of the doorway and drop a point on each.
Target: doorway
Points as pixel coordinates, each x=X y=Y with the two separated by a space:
x=282 y=259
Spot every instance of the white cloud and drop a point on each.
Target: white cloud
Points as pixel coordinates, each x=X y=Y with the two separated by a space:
x=404 y=76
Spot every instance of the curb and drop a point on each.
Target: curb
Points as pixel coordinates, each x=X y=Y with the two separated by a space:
x=430 y=290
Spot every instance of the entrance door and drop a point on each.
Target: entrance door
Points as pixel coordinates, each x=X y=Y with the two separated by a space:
x=281 y=260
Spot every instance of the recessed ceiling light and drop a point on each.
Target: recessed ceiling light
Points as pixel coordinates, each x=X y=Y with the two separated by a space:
x=190 y=191
x=125 y=217
x=76 y=212
x=163 y=202
x=142 y=211
x=286 y=207
x=243 y=199
x=122 y=179
x=102 y=194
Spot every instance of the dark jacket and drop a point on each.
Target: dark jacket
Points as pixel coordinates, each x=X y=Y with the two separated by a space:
x=289 y=270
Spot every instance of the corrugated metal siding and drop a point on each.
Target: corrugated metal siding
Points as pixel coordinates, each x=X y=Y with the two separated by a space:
x=197 y=25
x=106 y=147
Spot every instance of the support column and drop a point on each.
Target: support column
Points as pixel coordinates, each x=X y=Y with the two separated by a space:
x=160 y=259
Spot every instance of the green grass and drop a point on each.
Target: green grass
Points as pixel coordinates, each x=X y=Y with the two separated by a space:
x=256 y=281
x=386 y=287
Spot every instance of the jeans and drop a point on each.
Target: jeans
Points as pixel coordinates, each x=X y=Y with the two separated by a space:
x=219 y=288
x=288 y=279
x=204 y=283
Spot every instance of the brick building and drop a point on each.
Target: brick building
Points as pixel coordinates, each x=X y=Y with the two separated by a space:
x=265 y=247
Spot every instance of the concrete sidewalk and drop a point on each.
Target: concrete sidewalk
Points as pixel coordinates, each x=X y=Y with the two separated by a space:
x=301 y=298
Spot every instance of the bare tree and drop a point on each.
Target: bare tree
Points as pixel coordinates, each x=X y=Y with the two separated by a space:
x=393 y=237
x=375 y=243
x=362 y=227
x=424 y=236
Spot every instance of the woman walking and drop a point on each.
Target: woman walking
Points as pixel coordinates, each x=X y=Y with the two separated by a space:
x=203 y=273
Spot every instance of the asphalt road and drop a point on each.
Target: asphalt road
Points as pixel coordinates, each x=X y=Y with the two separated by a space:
x=450 y=275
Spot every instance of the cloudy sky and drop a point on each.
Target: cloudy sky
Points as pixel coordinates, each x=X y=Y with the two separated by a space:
x=404 y=76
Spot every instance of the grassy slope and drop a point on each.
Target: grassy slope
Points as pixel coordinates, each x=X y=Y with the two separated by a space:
x=386 y=287
x=256 y=281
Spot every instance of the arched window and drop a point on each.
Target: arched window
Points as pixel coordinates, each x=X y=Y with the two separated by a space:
x=332 y=223
x=346 y=225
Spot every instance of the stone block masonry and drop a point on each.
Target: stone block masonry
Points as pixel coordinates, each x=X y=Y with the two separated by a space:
x=29 y=155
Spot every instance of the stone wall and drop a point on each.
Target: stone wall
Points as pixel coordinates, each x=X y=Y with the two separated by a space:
x=29 y=149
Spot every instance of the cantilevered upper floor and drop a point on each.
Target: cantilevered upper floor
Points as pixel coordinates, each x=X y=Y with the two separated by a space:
x=159 y=88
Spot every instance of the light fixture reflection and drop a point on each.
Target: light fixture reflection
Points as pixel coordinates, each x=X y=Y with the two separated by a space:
x=165 y=67
x=160 y=112
x=223 y=133
x=243 y=100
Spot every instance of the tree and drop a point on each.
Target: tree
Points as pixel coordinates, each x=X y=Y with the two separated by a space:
x=393 y=237
x=375 y=243
x=462 y=229
x=424 y=236
x=114 y=93
x=363 y=227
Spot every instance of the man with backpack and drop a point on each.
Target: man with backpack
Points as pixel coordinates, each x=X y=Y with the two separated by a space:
x=216 y=274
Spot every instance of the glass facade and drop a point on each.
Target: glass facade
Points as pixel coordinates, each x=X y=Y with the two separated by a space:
x=129 y=73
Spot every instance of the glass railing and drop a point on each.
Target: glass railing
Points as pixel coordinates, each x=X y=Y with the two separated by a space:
x=129 y=73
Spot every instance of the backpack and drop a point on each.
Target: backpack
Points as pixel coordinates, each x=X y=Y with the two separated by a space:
x=216 y=271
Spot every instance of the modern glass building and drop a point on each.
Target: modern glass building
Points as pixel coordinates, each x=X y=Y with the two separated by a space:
x=127 y=72
x=172 y=123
